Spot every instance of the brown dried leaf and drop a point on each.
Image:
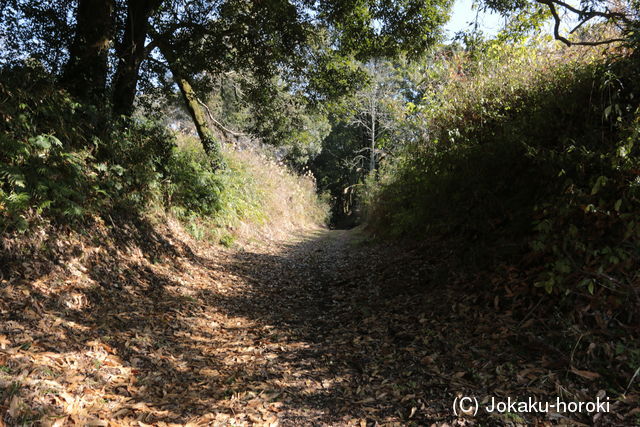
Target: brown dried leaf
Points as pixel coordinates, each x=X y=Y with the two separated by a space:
x=585 y=374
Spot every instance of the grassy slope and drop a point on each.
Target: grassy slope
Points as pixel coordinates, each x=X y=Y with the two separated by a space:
x=260 y=199
x=533 y=149
x=528 y=191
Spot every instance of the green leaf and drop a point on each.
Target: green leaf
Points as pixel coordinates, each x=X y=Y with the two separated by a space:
x=584 y=282
x=600 y=182
x=41 y=142
x=618 y=205
x=548 y=286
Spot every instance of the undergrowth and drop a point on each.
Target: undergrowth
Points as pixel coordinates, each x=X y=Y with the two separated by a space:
x=532 y=158
x=253 y=197
x=64 y=163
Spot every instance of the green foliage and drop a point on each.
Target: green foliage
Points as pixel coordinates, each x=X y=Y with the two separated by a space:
x=227 y=240
x=283 y=118
x=366 y=127
x=59 y=162
x=38 y=172
x=338 y=174
x=243 y=198
x=251 y=194
x=133 y=161
x=271 y=110
x=529 y=150
x=191 y=182
x=383 y=28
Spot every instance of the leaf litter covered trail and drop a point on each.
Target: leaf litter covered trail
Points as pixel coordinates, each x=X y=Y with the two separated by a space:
x=318 y=330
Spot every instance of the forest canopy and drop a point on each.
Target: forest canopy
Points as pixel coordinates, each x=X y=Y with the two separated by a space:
x=107 y=50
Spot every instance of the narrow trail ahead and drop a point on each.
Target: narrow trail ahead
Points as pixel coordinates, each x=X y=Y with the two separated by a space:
x=318 y=330
x=332 y=334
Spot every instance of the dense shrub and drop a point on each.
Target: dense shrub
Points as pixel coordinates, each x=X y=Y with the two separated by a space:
x=533 y=147
x=44 y=163
x=192 y=184
x=63 y=161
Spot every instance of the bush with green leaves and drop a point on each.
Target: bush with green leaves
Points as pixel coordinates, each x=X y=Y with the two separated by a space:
x=64 y=161
x=43 y=169
x=191 y=183
x=133 y=162
x=39 y=176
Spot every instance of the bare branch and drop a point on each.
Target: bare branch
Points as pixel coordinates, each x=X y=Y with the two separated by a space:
x=551 y=4
x=217 y=123
x=588 y=14
x=584 y=21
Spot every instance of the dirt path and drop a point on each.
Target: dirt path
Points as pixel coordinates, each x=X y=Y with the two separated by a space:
x=353 y=346
x=319 y=330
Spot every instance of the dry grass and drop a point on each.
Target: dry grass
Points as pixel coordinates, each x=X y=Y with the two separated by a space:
x=262 y=199
x=285 y=201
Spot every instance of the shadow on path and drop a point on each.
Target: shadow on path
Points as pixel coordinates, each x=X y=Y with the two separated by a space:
x=320 y=330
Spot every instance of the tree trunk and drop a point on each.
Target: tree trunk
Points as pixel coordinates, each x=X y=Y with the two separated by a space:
x=131 y=53
x=372 y=154
x=85 y=73
x=209 y=142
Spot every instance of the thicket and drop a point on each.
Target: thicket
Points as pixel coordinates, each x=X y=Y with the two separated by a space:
x=64 y=161
x=531 y=156
x=255 y=195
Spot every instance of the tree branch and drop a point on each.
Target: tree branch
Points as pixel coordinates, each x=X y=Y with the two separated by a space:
x=588 y=14
x=217 y=123
x=551 y=4
x=158 y=62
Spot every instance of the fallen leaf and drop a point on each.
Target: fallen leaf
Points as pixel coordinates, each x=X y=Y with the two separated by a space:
x=96 y=423
x=4 y=342
x=14 y=407
x=586 y=374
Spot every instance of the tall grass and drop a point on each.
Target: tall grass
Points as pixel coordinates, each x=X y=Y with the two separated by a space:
x=259 y=198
